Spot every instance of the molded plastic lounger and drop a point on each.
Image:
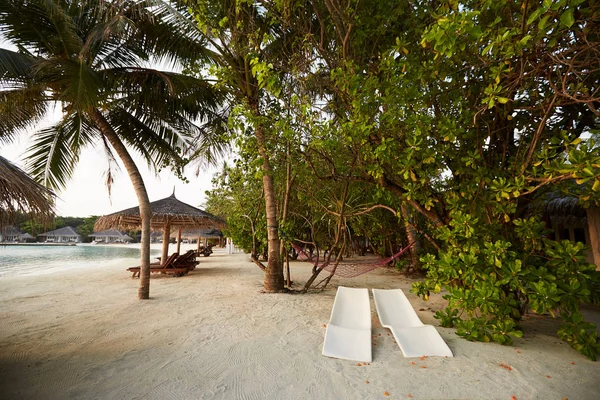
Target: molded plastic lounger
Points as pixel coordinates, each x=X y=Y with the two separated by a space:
x=415 y=339
x=348 y=334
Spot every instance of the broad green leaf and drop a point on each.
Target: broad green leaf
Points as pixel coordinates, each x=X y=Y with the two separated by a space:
x=567 y=18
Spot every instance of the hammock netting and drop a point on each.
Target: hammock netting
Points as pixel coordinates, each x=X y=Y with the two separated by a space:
x=348 y=269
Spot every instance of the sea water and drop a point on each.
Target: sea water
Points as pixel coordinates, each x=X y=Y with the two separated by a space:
x=41 y=260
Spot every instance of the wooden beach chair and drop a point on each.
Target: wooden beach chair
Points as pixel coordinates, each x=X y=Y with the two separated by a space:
x=348 y=333
x=414 y=338
x=166 y=268
x=186 y=261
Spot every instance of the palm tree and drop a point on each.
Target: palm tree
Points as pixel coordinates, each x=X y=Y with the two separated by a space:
x=91 y=57
x=236 y=30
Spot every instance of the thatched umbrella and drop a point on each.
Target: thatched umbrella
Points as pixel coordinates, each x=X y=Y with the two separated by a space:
x=20 y=193
x=166 y=213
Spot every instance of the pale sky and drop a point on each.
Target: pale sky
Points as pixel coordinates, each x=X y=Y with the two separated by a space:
x=86 y=194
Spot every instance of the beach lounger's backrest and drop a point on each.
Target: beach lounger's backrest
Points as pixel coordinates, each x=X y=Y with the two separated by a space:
x=170 y=259
x=394 y=309
x=351 y=308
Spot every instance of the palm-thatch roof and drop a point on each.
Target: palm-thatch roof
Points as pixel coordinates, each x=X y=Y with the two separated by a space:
x=20 y=193
x=565 y=210
x=167 y=211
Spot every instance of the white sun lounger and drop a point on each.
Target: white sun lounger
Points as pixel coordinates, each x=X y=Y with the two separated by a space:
x=348 y=334
x=415 y=339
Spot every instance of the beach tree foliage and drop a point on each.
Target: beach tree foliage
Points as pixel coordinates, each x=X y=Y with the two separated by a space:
x=251 y=47
x=91 y=61
x=469 y=115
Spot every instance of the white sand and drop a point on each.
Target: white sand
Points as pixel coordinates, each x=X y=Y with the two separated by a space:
x=213 y=334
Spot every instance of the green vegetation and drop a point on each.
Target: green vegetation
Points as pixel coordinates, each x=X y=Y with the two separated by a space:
x=448 y=123
x=459 y=116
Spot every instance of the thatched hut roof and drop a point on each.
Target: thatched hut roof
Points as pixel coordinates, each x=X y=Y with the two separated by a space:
x=565 y=210
x=165 y=211
x=20 y=193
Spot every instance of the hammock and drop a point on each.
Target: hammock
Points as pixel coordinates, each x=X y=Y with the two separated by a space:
x=349 y=269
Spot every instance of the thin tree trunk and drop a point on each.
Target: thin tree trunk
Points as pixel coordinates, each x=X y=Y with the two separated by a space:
x=317 y=270
x=411 y=236
x=289 y=181
x=141 y=193
x=273 y=281
x=165 y=244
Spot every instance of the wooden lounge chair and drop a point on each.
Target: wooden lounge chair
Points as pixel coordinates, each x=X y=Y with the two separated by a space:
x=166 y=268
x=187 y=261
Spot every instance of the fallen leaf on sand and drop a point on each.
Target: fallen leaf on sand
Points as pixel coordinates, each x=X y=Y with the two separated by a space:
x=413 y=363
x=422 y=366
x=324 y=325
x=358 y=364
x=386 y=394
x=367 y=382
x=513 y=398
x=409 y=396
x=548 y=376
x=508 y=367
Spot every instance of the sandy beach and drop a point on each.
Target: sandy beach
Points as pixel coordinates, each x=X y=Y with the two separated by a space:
x=213 y=335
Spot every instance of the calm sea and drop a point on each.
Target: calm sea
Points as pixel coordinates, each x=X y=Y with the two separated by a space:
x=39 y=260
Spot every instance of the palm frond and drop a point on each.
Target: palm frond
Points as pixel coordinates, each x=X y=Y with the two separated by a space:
x=20 y=193
x=145 y=89
x=40 y=24
x=14 y=65
x=70 y=81
x=154 y=139
x=55 y=151
x=168 y=32
x=20 y=109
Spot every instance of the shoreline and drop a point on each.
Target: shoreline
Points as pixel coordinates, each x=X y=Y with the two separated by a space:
x=38 y=244
x=213 y=334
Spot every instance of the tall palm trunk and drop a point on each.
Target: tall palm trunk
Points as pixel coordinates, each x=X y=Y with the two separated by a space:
x=274 y=281
x=142 y=195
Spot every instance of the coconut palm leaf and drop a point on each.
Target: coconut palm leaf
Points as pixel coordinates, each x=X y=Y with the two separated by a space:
x=20 y=193
x=55 y=150
x=71 y=82
x=14 y=65
x=20 y=109
x=151 y=138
